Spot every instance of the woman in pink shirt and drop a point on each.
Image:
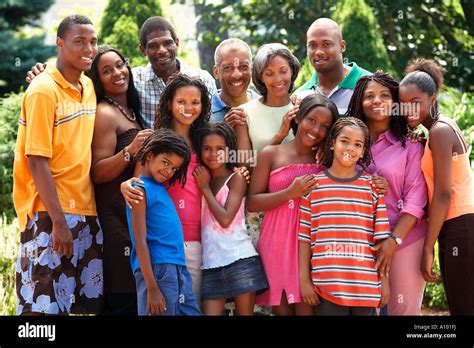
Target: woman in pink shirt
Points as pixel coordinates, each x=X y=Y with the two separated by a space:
x=398 y=160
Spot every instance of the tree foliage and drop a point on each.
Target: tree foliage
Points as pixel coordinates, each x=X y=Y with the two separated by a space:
x=18 y=50
x=10 y=107
x=361 y=32
x=263 y=21
x=121 y=22
x=438 y=29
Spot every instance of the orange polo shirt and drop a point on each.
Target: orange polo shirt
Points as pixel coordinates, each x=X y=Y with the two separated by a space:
x=56 y=122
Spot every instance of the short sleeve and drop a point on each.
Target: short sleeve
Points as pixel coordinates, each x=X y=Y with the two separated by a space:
x=381 y=223
x=40 y=111
x=304 y=233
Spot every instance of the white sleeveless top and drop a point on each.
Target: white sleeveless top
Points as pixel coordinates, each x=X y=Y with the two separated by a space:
x=223 y=246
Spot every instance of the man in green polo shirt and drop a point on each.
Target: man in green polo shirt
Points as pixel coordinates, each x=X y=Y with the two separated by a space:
x=332 y=77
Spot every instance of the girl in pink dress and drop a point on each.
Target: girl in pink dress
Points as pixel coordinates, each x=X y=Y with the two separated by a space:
x=283 y=174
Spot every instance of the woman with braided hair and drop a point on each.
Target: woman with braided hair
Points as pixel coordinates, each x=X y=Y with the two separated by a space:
x=398 y=160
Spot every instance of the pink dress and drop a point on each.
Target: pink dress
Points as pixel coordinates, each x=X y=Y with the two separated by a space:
x=278 y=244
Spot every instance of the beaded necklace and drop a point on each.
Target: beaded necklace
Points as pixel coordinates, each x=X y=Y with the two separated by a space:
x=133 y=118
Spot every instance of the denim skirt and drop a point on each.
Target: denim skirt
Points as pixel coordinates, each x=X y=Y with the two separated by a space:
x=238 y=278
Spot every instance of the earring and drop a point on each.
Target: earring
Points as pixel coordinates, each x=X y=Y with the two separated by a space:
x=433 y=112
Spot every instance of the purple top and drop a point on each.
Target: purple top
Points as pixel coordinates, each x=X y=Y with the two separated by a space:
x=401 y=166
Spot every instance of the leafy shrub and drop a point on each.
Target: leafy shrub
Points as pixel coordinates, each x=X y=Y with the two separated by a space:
x=435 y=296
x=9 y=239
x=460 y=107
x=10 y=107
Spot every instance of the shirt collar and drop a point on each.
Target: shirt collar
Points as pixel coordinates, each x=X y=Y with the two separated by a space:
x=59 y=78
x=217 y=104
x=348 y=82
x=388 y=136
x=151 y=76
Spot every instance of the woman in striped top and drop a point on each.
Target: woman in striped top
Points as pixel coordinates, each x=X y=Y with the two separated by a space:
x=340 y=222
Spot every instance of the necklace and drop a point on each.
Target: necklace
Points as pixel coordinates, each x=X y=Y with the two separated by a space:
x=131 y=118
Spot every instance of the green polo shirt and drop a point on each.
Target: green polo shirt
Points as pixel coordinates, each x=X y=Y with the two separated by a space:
x=342 y=94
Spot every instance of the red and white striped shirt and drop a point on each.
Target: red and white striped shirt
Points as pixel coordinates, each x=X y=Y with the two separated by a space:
x=342 y=219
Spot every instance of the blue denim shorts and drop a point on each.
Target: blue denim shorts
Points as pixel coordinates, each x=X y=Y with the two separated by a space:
x=175 y=284
x=238 y=278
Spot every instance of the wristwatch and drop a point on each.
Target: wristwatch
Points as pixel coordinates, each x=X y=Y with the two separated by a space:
x=398 y=240
x=126 y=155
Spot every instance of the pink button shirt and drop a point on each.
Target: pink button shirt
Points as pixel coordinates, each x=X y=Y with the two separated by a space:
x=401 y=166
x=187 y=201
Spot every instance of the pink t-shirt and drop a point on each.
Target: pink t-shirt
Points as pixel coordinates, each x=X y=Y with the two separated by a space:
x=187 y=201
x=401 y=166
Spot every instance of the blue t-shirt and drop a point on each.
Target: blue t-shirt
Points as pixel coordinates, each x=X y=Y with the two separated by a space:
x=219 y=109
x=164 y=234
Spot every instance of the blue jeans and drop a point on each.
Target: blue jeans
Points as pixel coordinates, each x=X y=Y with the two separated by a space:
x=175 y=284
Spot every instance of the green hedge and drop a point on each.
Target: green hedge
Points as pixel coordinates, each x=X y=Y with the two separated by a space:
x=435 y=296
x=10 y=107
x=9 y=239
x=460 y=107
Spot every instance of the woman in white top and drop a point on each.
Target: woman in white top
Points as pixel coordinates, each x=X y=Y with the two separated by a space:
x=274 y=72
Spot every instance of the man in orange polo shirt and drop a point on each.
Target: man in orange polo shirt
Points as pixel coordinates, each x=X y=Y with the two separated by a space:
x=59 y=268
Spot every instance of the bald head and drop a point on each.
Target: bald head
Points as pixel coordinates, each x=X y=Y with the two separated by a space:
x=325 y=46
x=327 y=25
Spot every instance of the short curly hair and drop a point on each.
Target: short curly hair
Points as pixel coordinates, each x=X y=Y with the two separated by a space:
x=263 y=57
x=155 y=23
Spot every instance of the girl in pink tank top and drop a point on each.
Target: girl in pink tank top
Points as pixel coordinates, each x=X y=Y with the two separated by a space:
x=450 y=182
x=231 y=266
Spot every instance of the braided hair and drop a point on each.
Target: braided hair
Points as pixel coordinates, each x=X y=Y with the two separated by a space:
x=166 y=141
x=337 y=129
x=164 y=115
x=398 y=125
x=221 y=129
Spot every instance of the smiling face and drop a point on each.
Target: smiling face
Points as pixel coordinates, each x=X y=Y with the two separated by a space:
x=78 y=48
x=348 y=147
x=161 y=51
x=277 y=77
x=113 y=74
x=377 y=102
x=163 y=166
x=415 y=104
x=234 y=72
x=324 y=47
x=314 y=126
x=213 y=151
x=186 y=105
